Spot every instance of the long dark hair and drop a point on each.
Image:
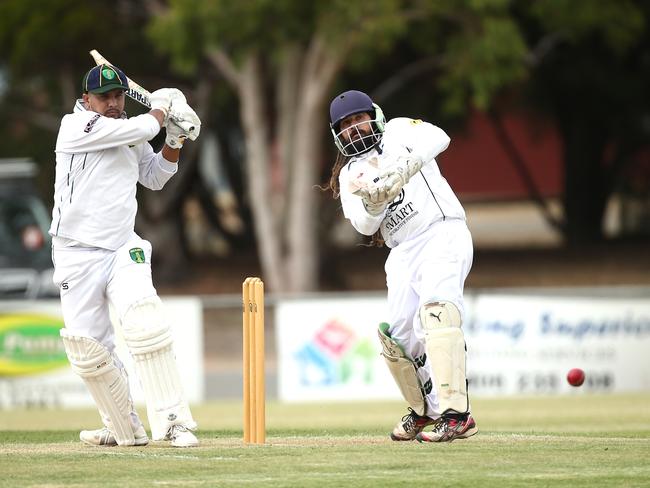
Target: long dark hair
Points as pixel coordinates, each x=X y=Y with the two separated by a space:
x=333 y=186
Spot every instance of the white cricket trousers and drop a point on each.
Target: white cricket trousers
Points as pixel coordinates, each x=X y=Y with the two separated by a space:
x=92 y=278
x=430 y=267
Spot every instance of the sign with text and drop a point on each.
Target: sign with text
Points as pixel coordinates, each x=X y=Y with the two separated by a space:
x=527 y=344
x=34 y=369
x=517 y=345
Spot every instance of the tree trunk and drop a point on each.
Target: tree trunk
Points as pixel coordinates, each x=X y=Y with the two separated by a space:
x=283 y=201
x=318 y=74
x=258 y=159
x=585 y=194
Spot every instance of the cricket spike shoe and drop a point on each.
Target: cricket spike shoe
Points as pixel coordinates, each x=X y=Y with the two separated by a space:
x=446 y=429
x=104 y=437
x=181 y=436
x=410 y=426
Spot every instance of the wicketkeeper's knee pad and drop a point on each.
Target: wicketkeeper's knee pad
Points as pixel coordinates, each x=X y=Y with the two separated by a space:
x=106 y=382
x=445 y=346
x=150 y=342
x=404 y=371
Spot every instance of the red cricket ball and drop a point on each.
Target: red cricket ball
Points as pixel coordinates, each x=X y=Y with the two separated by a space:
x=576 y=377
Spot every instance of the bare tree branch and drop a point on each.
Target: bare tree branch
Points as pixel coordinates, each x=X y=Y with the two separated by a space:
x=543 y=47
x=155 y=7
x=522 y=170
x=225 y=66
x=392 y=84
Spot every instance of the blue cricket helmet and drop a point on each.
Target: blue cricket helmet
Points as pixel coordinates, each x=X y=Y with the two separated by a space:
x=349 y=103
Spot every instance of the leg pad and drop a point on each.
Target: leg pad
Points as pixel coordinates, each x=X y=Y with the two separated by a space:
x=105 y=381
x=446 y=352
x=149 y=340
x=404 y=371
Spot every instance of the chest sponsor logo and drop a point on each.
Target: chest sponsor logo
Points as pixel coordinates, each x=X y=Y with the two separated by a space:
x=399 y=213
x=397 y=202
x=137 y=255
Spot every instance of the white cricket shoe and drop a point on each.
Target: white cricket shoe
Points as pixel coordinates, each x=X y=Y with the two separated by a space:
x=410 y=426
x=181 y=436
x=104 y=437
x=447 y=429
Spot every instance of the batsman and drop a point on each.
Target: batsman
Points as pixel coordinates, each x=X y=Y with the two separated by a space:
x=391 y=188
x=99 y=260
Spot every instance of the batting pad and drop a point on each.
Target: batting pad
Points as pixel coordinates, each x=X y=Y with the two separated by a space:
x=150 y=341
x=105 y=381
x=446 y=353
x=403 y=371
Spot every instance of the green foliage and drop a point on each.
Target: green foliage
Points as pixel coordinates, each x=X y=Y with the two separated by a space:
x=268 y=26
x=234 y=26
x=37 y=35
x=366 y=30
x=620 y=22
x=480 y=63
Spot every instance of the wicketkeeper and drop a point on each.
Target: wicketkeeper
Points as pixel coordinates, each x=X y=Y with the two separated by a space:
x=391 y=187
x=98 y=258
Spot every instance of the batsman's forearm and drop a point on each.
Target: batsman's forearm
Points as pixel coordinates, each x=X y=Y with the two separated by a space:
x=170 y=154
x=159 y=115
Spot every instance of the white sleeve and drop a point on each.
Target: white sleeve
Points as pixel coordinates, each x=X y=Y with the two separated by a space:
x=154 y=170
x=88 y=131
x=422 y=138
x=354 y=210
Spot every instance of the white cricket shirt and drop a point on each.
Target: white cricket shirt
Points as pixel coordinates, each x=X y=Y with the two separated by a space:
x=426 y=199
x=99 y=161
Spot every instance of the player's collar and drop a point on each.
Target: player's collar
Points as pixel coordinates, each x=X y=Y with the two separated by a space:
x=360 y=157
x=79 y=106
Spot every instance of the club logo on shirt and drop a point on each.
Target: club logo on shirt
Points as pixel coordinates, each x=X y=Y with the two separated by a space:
x=137 y=255
x=91 y=123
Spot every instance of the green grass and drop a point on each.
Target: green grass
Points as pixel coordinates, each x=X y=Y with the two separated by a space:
x=576 y=441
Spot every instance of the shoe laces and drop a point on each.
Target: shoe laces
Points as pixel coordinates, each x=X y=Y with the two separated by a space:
x=174 y=430
x=443 y=425
x=409 y=420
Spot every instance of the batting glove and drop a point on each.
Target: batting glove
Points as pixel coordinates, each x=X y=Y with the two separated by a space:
x=175 y=135
x=162 y=100
x=184 y=117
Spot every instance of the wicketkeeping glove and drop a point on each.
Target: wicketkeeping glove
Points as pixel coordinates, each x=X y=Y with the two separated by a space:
x=374 y=200
x=397 y=175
